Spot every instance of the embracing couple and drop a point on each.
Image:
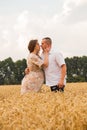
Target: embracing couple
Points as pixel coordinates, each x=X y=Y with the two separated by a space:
x=49 y=67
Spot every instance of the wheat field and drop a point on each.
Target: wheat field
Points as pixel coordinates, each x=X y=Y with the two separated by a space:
x=44 y=110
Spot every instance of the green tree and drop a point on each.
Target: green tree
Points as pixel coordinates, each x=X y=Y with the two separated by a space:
x=76 y=69
x=7 y=72
x=20 y=66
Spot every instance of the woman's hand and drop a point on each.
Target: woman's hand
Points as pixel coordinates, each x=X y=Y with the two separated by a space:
x=46 y=50
x=26 y=71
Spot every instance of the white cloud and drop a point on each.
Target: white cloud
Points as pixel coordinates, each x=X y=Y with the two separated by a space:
x=74 y=10
x=22 y=22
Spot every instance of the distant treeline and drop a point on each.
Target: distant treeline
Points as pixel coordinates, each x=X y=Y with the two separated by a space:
x=13 y=72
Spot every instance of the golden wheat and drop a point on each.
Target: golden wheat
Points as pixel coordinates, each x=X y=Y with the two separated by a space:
x=44 y=110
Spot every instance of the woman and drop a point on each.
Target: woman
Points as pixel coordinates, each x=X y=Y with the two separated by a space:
x=35 y=78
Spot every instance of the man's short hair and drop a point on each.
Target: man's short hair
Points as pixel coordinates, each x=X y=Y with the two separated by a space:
x=48 y=39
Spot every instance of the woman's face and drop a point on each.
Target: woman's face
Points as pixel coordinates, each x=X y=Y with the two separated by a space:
x=37 y=47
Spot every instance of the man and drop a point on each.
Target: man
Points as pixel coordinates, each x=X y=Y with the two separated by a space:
x=56 y=71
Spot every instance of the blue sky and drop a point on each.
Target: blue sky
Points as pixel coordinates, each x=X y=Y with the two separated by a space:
x=65 y=21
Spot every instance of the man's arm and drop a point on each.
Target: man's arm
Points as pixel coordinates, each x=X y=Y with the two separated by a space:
x=63 y=74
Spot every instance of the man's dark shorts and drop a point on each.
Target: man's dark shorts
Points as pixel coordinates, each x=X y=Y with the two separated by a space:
x=56 y=88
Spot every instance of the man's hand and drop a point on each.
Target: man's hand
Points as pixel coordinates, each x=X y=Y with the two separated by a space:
x=61 y=84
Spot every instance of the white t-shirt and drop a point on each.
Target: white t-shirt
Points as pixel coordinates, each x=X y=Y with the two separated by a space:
x=53 y=71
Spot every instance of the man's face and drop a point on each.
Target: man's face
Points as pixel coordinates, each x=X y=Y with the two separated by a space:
x=44 y=44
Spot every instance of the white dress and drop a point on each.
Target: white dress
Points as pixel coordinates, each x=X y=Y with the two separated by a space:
x=33 y=81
